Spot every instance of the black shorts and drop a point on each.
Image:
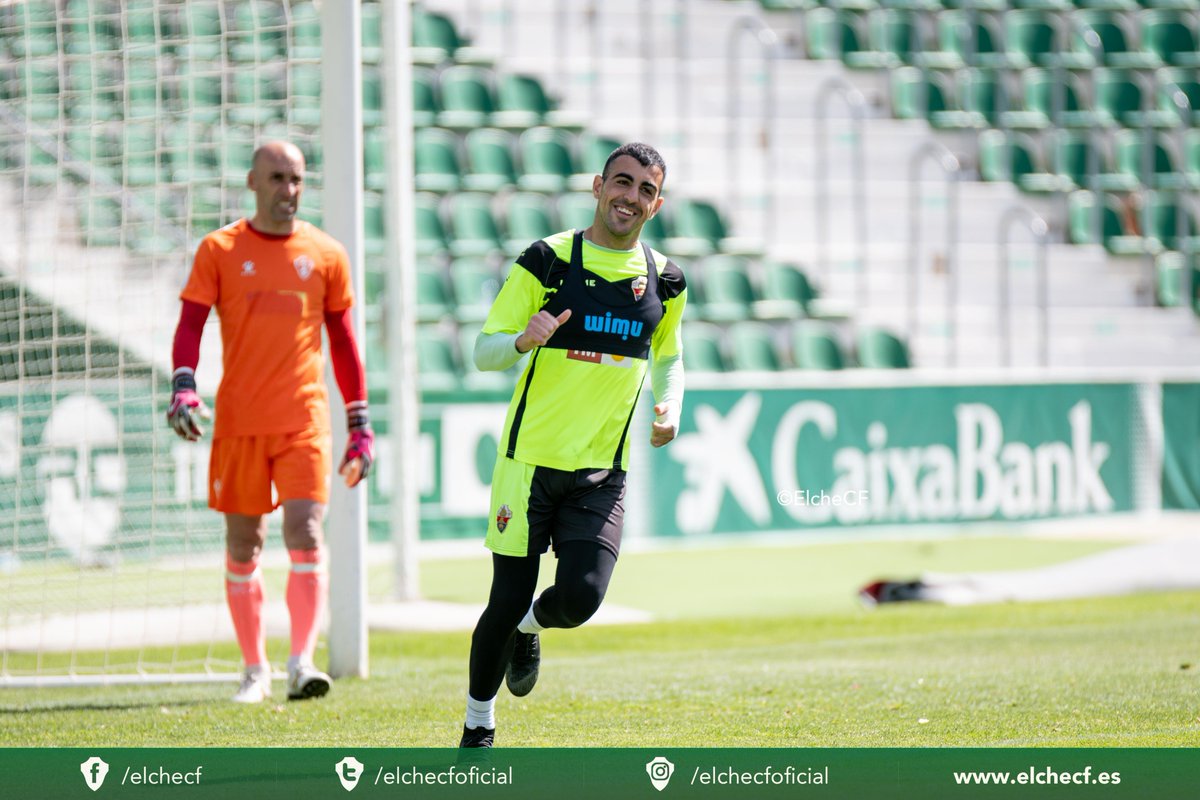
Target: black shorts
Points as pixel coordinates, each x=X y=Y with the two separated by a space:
x=534 y=508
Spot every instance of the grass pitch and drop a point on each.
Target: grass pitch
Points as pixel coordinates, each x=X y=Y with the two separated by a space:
x=757 y=647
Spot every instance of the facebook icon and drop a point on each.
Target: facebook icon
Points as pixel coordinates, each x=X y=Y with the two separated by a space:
x=94 y=771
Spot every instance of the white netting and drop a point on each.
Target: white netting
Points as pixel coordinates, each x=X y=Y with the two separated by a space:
x=126 y=128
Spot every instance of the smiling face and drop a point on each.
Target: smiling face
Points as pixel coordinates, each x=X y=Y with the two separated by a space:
x=626 y=197
x=277 y=180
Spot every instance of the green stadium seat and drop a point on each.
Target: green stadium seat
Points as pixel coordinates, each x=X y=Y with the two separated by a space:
x=434 y=38
x=490 y=159
x=201 y=30
x=476 y=285
x=965 y=39
x=42 y=98
x=433 y=296
x=204 y=206
x=930 y=97
x=436 y=161
x=1165 y=164
x=656 y=231
x=1115 y=236
x=304 y=94
x=142 y=91
x=1191 y=154
x=1016 y=158
x=1108 y=5
x=237 y=147
x=491 y=380
x=1082 y=163
x=431 y=239
x=475 y=232
x=375 y=225
x=140 y=153
x=698 y=228
x=752 y=347
x=982 y=92
x=702 y=348
x=594 y=150
x=425 y=106
x=92 y=96
x=786 y=292
x=1030 y=37
x=372 y=96
x=1172 y=37
x=1062 y=103
x=374 y=284
x=894 y=38
x=1168 y=279
x=521 y=102
x=1173 y=224
x=727 y=290
x=371 y=20
x=815 y=346
x=438 y=368
x=375 y=169
x=465 y=97
x=1113 y=43
x=1170 y=83
x=305 y=32
x=191 y=154
x=831 y=35
x=547 y=160
x=576 y=210
x=141 y=28
x=1119 y=100
x=529 y=216
x=881 y=349
x=37 y=32
x=259 y=96
x=100 y=221
x=1043 y=5
x=260 y=32
x=201 y=96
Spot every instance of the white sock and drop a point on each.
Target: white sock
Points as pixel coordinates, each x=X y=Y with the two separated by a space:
x=481 y=713
x=292 y=663
x=529 y=623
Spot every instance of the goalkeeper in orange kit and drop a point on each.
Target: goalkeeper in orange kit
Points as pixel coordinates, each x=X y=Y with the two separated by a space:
x=274 y=280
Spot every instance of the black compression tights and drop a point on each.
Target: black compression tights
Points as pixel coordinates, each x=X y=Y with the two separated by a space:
x=584 y=569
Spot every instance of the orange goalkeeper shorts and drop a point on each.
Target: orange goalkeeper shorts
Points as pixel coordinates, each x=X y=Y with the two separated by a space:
x=242 y=470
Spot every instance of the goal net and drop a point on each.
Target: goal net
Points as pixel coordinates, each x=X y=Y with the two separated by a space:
x=126 y=129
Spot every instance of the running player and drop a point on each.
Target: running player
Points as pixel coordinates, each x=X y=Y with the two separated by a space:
x=274 y=281
x=596 y=309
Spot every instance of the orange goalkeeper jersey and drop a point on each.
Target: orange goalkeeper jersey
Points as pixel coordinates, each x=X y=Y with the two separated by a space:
x=271 y=293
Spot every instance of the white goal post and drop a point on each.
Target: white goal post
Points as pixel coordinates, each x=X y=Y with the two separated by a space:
x=126 y=128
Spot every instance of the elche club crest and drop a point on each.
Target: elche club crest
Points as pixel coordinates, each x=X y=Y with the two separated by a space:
x=639 y=287
x=502 y=517
x=304 y=267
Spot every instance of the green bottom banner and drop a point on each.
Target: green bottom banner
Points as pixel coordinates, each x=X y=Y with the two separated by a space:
x=575 y=774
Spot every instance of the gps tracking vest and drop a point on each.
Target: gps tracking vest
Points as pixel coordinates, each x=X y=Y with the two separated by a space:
x=616 y=317
x=611 y=324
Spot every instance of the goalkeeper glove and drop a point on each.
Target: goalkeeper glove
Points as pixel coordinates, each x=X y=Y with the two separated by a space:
x=186 y=405
x=360 y=448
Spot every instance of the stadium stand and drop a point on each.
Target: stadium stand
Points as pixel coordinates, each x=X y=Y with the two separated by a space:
x=1060 y=102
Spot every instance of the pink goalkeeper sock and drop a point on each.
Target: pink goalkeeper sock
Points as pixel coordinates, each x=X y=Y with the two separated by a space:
x=305 y=591
x=244 y=593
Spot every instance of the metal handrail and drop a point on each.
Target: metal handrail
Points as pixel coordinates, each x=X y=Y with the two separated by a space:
x=771 y=50
x=857 y=104
x=1037 y=226
x=953 y=171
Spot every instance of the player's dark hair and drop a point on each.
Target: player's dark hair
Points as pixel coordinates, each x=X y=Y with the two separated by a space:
x=646 y=155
